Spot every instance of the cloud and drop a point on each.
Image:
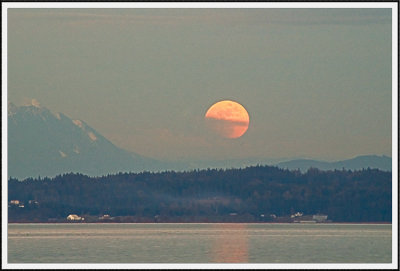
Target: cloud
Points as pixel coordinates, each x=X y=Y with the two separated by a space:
x=227 y=128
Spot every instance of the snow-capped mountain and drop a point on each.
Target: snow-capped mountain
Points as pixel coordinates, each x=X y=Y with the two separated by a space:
x=41 y=143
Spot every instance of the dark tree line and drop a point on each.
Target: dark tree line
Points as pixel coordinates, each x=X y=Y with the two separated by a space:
x=345 y=196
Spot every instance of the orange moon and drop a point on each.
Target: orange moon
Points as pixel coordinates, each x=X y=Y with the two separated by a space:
x=228 y=119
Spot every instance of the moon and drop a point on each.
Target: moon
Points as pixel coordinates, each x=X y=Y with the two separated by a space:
x=228 y=119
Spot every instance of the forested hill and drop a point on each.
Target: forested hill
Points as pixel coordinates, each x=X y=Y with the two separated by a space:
x=251 y=194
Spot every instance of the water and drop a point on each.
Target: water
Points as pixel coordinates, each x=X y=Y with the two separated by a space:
x=199 y=243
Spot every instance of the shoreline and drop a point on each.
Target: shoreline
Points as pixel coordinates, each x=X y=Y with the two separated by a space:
x=330 y=223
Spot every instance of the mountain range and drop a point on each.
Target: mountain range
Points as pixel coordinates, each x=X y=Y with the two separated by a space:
x=43 y=143
x=366 y=161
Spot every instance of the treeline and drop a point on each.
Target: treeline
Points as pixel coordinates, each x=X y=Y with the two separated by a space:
x=254 y=193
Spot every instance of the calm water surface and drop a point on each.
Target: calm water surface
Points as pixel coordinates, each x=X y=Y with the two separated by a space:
x=199 y=243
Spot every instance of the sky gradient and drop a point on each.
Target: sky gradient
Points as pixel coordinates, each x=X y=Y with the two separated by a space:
x=315 y=82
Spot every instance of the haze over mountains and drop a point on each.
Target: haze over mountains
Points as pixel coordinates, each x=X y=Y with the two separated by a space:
x=41 y=143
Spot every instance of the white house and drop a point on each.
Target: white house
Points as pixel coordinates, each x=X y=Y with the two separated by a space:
x=74 y=217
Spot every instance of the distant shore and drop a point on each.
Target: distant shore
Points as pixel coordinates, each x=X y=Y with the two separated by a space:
x=329 y=223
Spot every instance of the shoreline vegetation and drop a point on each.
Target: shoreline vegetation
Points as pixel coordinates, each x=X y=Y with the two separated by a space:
x=257 y=194
x=289 y=223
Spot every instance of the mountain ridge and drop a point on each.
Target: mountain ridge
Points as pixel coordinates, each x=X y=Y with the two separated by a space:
x=359 y=162
x=42 y=143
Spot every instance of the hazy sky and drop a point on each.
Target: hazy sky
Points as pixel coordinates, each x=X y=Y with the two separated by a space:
x=316 y=82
